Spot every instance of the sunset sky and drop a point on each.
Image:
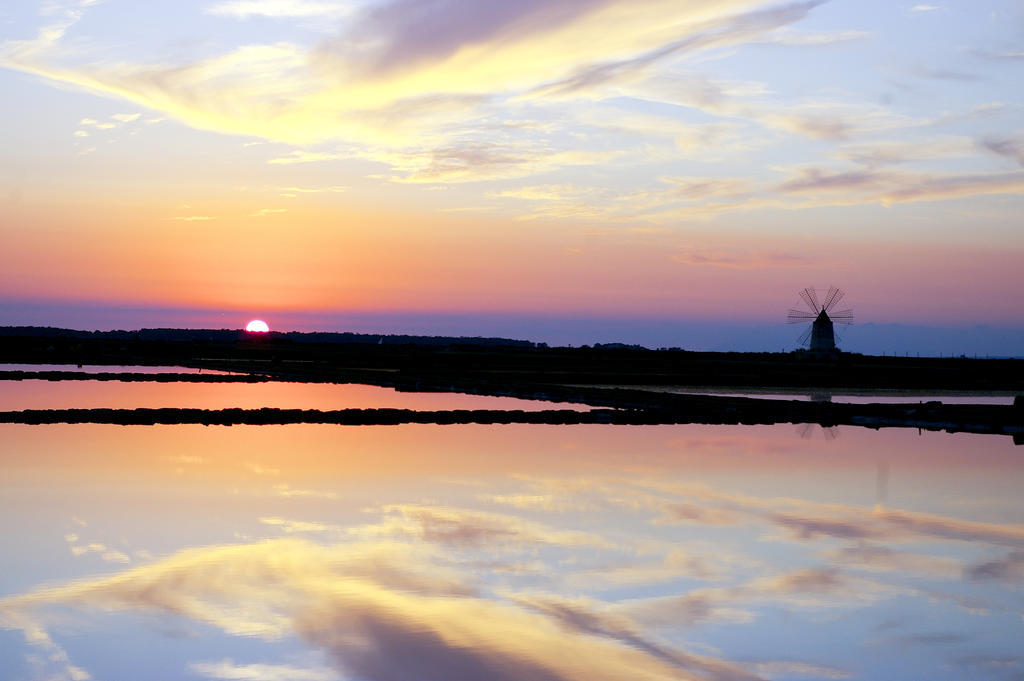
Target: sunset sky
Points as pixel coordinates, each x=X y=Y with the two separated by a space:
x=650 y=171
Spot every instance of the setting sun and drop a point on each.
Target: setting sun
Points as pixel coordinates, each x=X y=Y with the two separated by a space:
x=257 y=326
x=616 y=339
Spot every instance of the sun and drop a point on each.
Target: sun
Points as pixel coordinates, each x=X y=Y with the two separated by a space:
x=257 y=326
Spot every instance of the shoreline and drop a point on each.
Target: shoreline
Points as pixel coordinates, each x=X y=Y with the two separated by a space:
x=980 y=419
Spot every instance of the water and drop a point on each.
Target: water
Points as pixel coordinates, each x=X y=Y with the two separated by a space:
x=112 y=368
x=42 y=394
x=860 y=397
x=313 y=552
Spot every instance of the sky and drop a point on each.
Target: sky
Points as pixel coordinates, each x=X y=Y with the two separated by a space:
x=667 y=173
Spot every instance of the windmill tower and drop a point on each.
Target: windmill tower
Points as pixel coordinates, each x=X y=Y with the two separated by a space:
x=820 y=336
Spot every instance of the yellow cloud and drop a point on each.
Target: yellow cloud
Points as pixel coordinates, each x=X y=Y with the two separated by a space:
x=291 y=526
x=304 y=157
x=386 y=92
x=356 y=604
x=314 y=190
x=227 y=669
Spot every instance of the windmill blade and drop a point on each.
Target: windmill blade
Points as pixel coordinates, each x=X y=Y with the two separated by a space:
x=842 y=317
x=830 y=432
x=833 y=297
x=814 y=298
x=806 y=336
x=799 y=316
x=832 y=290
x=805 y=430
x=811 y=298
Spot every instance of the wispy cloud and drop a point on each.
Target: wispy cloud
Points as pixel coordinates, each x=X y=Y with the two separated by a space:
x=806 y=38
x=803 y=520
x=879 y=186
x=230 y=671
x=826 y=119
x=474 y=161
x=288 y=492
x=293 y=191
x=811 y=588
x=92 y=122
x=297 y=526
x=775 y=669
x=564 y=201
x=978 y=112
x=592 y=618
x=1001 y=55
x=260 y=469
x=1008 y=568
x=889 y=152
x=725 y=31
x=113 y=122
x=677 y=563
x=879 y=558
x=700 y=188
x=1007 y=147
x=465 y=528
x=987 y=665
x=293 y=157
x=546 y=502
x=107 y=554
x=278 y=9
x=954 y=75
x=740 y=260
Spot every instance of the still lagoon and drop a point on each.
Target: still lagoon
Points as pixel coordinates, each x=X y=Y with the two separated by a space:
x=43 y=394
x=333 y=553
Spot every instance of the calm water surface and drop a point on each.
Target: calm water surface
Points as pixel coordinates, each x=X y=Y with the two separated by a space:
x=884 y=397
x=42 y=394
x=111 y=368
x=316 y=553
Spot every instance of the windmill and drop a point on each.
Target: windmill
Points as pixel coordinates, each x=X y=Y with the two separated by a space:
x=820 y=336
x=806 y=431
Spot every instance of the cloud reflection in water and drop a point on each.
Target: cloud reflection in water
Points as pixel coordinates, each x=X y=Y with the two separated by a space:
x=644 y=574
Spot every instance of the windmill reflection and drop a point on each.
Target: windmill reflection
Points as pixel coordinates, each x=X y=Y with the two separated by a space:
x=806 y=430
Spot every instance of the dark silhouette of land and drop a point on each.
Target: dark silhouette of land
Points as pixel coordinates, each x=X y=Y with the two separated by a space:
x=665 y=409
x=608 y=377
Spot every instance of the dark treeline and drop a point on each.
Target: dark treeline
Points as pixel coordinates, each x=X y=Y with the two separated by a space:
x=493 y=368
x=130 y=377
x=233 y=335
